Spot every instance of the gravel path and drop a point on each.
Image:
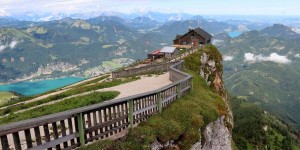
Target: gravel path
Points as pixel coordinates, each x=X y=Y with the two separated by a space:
x=143 y=85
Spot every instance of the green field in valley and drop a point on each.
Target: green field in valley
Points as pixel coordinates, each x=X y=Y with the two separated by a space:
x=5 y=97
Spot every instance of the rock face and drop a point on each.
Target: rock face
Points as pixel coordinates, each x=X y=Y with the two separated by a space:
x=157 y=146
x=216 y=135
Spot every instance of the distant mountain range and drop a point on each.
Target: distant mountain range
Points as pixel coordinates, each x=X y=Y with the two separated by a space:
x=263 y=67
x=79 y=47
x=27 y=49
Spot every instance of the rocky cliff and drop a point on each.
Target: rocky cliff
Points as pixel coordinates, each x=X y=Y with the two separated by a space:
x=217 y=135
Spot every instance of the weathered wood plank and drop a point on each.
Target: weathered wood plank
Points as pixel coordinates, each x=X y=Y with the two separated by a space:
x=4 y=142
x=47 y=134
x=105 y=120
x=17 y=142
x=37 y=134
x=107 y=132
x=72 y=147
x=54 y=142
x=55 y=133
x=28 y=138
x=100 y=120
x=105 y=124
x=169 y=98
x=70 y=125
x=145 y=116
x=63 y=132
x=76 y=128
x=114 y=110
x=89 y=124
x=144 y=109
x=95 y=121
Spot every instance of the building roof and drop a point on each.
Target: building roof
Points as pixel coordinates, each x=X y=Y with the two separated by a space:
x=156 y=51
x=199 y=31
x=168 y=49
x=178 y=37
x=203 y=33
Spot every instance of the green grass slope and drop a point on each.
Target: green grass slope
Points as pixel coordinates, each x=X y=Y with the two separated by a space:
x=257 y=129
x=273 y=86
x=5 y=97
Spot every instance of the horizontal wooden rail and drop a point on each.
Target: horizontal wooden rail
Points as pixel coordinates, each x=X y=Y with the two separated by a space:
x=73 y=128
x=151 y=68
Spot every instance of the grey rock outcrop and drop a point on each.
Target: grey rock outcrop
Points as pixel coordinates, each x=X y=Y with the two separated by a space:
x=216 y=135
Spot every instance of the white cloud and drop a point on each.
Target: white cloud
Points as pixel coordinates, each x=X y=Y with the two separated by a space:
x=2 y=47
x=249 y=57
x=48 y=18
x=274 y=57
x=227 y=58
x=13 y=44
x=297 y=55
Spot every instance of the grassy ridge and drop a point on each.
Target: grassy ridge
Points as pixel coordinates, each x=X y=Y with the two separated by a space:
x=67 y=104
x=77 y=90
x=179 y=122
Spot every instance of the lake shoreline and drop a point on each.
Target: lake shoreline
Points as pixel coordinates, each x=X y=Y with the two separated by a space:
x=35 y=87
x=35 y=80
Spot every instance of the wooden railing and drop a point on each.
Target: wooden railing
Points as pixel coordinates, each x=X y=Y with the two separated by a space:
x=73 y=128
x=150 y=68
x=142 y=70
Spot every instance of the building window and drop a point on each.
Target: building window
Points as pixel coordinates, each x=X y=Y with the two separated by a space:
x=184 y=43
x=192 y=35
x=201 y=43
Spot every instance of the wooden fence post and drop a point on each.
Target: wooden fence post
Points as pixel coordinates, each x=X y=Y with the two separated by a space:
x=178 y=91
x=131 y=113
x=159 y=102
x=4 y=142
x=80 y=124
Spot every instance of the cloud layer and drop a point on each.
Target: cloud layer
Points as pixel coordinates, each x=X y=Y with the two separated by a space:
x=297 y=55
x=2 y=47
x=274 y=57
x=254 y=7
x=227 y=58
x=11 y=45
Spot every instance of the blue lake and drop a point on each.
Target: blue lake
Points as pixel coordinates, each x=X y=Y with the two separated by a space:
x=29 y=88
x=234 y=34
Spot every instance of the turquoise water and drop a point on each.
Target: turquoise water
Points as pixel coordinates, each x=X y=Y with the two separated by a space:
x=29 y=88
x=234 y=34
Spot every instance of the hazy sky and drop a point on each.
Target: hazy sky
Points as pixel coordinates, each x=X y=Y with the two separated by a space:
x=236 y=7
